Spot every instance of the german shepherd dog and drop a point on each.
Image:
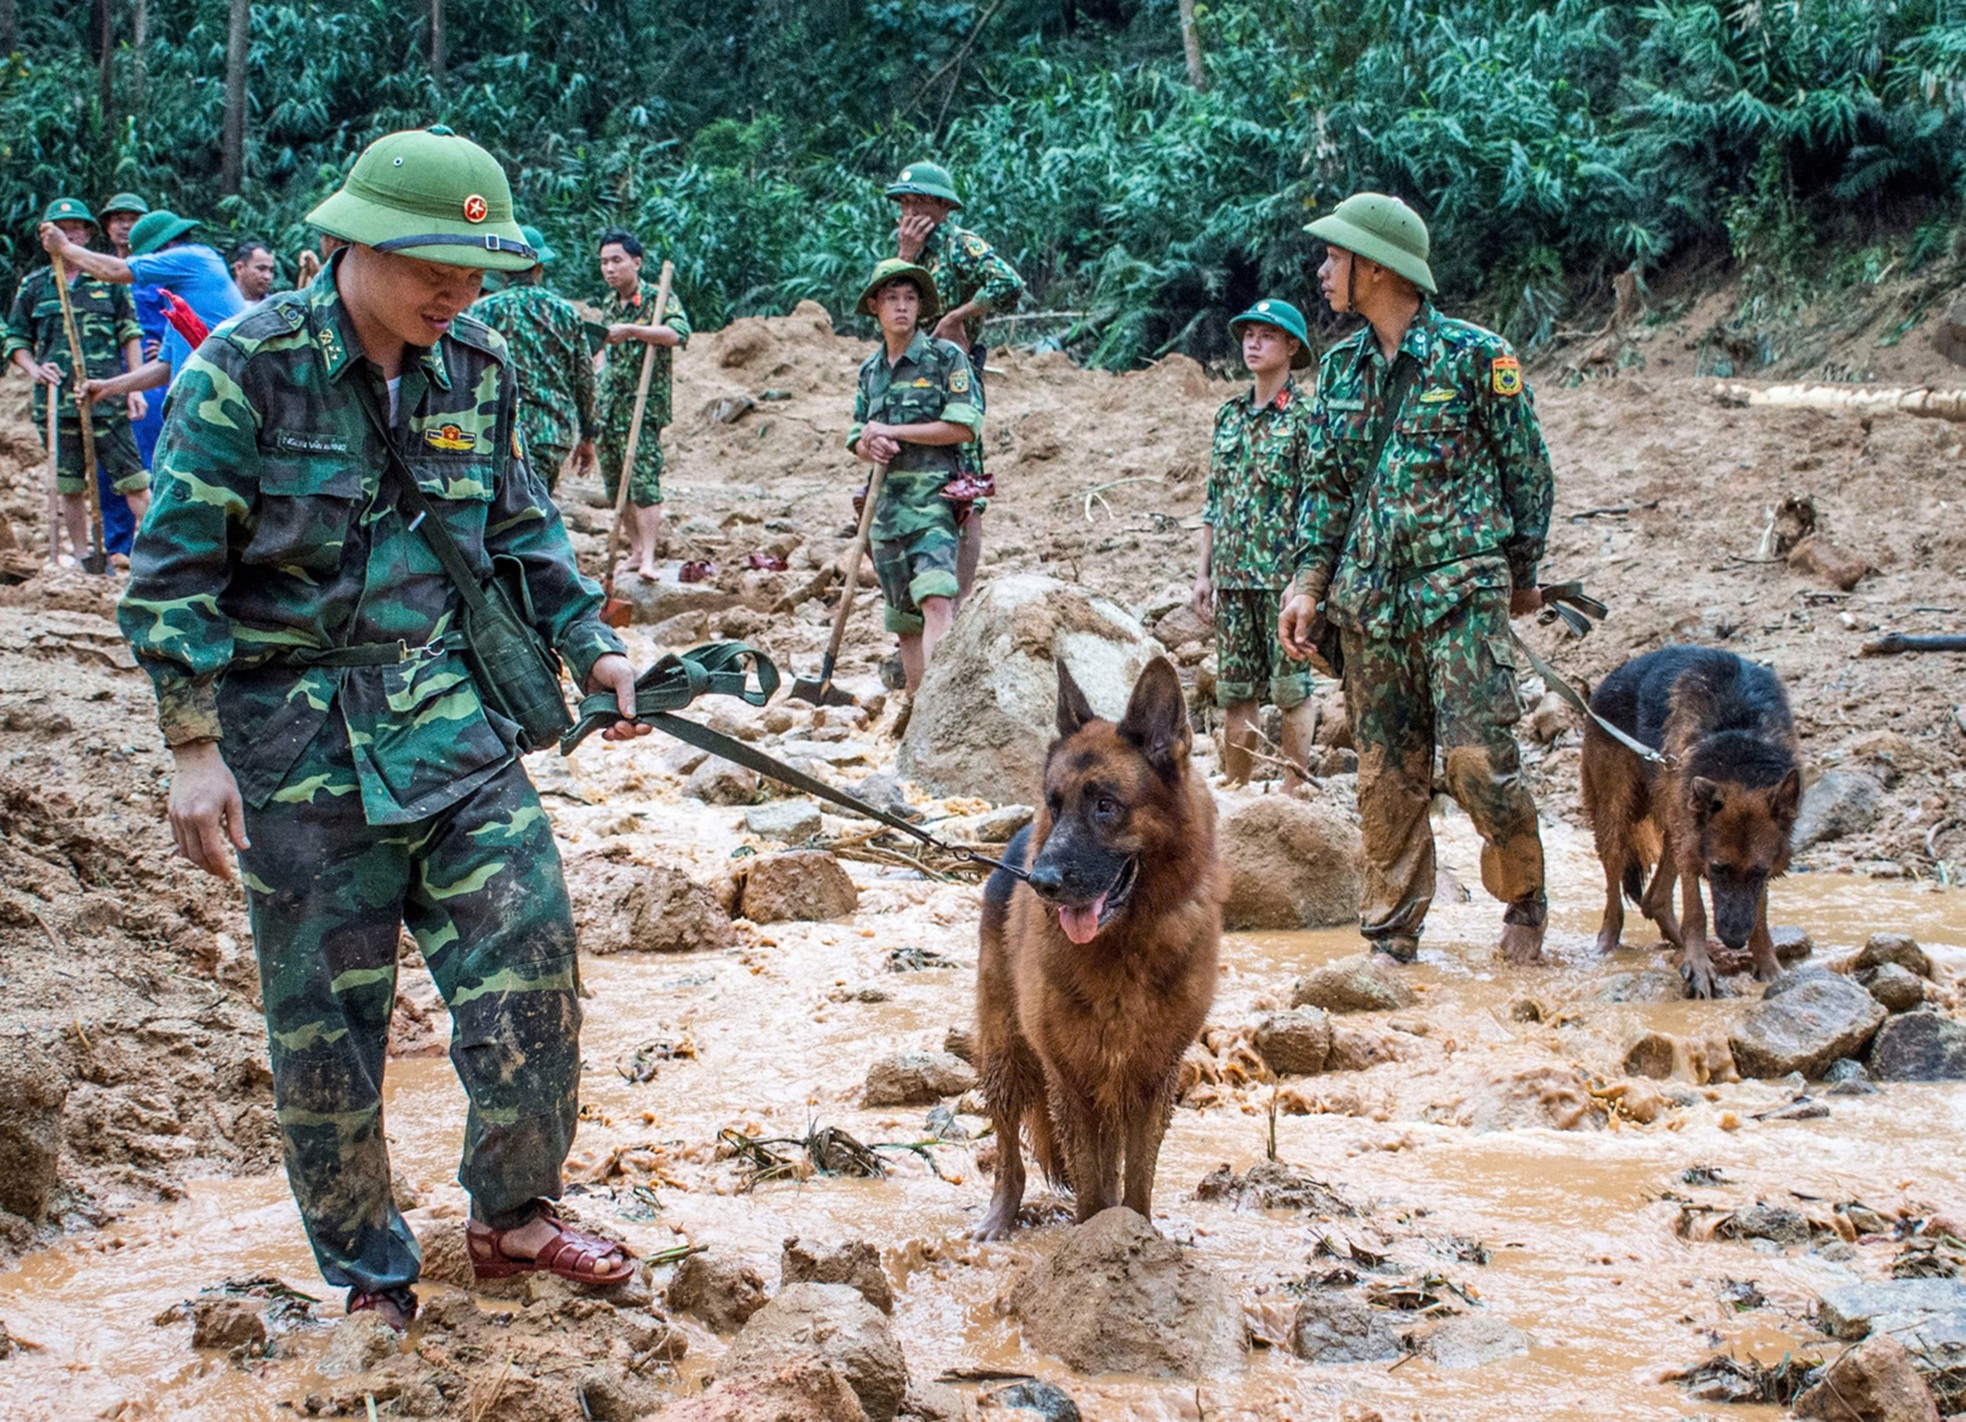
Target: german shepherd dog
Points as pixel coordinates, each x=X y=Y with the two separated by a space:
x=1720 y=810
x=1096 y=974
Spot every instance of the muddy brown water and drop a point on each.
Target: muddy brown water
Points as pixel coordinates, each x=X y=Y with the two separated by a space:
x=1582 y=1251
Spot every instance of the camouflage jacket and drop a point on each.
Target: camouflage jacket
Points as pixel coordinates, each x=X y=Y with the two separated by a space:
x=1459 y=501
x=1256 y=468
x=621 y=373
x=966 y=268
x=931 y=381
x=105 y=319
x=548 y=342
x=274 y=533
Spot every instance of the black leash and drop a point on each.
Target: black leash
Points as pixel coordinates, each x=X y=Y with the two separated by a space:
x=725 y=669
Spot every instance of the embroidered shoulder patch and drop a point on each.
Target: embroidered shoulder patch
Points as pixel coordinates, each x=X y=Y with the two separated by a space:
x=958 y=381
x=1505 y=375
x=450 y=437
x=975 y=246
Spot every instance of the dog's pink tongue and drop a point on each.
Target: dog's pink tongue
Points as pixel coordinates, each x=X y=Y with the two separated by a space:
x=1081 y=924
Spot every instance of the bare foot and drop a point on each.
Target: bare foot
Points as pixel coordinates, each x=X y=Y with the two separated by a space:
x=1522 y=944
x=646 y=571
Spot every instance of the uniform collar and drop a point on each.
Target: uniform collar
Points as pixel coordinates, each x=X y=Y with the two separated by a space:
x=334 y=332
x=644 y=292
x=1421 y=335
x=919 y=347
x=1282 y=400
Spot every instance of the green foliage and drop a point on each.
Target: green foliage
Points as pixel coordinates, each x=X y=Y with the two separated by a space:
x=1551 y=143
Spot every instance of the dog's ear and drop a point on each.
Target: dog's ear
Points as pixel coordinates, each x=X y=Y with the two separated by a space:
x=1073 y=709
x=1787 y=799
x=1156 y=717
x=1704 y=796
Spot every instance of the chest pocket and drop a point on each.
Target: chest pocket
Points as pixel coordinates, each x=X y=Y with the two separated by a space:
x=1438 y=437
x=461 y=488
x=306 y=510
x=912 y=404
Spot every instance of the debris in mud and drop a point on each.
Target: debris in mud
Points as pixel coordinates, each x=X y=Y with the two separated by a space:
x=856 y=1263
x=1336 y=1327
x=1470 y=1341
x=917 y=960
x=723 y=1293
x=1745 y=1380
x=1705 y=1175
x=1273 y=1185
x=835 y=1324
x=1742 y=1295
x=642 y=1064
x=1045 y=1401
x=1421 y=1295
x=1363 y=982
x=1876 y=1381
x=359 y=1342
x=824 y=1150
x=1773 y=1223
x=1555 y=1098
x=917 y=1079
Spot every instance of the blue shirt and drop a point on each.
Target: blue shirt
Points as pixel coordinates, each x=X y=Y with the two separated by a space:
x=196 y=273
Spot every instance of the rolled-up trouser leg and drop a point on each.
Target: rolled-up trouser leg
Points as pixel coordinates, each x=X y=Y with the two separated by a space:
x=325 y=891
x=1471 y=657
x=488 y=906
x=1392 y=727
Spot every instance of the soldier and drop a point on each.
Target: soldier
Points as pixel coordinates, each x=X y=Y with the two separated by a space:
x=119 y=215
x=1423 y=522
x=305 y=646
x=633 y=322
x=36 y=340
x=548 y=340
x=913 y=413
x=1256 y=474
x=976 y=281
x=253 y=270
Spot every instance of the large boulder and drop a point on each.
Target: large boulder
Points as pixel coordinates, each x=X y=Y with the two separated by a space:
x=1363 y=982
x=1893 y=950
x=647 y=908
x=1841 y=803
x=857 y=1264
x=1292 y=863
x=1875 y=1381
x=1919 y=1046
x=988 y=707
x=33 y=1089
x=1294 y=1043
x=834 y=1324
x=804 y=884
x=1804 y=1028
x=1116 y=1297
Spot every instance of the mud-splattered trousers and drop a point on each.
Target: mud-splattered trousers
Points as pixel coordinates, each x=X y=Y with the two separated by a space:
x=1414 y=556
x=286 y=609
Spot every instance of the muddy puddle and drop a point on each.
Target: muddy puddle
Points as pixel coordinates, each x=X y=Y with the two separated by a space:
x=1568 y=1235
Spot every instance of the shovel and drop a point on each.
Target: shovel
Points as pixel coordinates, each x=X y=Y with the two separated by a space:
x=618 y=612
x=822 y=692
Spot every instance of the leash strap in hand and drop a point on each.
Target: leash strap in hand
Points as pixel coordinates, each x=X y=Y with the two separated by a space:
x=1555 y=682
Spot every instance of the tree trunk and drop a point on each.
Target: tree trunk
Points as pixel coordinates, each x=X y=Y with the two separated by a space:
x=9 y=27
x=437 y=43
x=1191 y=45
x=106 y=50
x=139 y=44
x=232 y=161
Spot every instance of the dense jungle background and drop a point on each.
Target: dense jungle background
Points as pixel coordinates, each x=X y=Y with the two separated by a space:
x=1147 y=165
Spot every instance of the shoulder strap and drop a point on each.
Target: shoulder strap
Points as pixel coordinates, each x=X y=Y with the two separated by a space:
x=1406 y=370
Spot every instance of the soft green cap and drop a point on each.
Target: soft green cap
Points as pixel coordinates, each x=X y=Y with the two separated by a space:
x=69 y=209
x=126 y=202
x=1286 y=318
x=155 y=231
x=926 y=179
x=1381 y=229
x=892 y=269
x=536 y=240
x=432 y=195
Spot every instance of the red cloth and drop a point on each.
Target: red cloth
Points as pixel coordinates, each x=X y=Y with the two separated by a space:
x=183 y=319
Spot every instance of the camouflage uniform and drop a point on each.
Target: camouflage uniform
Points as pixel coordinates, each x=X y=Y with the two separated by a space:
x=914 y=531
x=966 y=268
x=621 y=374
x=548 y=341
x=105 y=319
x=282 y=605
x=1452 y=518
x=1255 y=477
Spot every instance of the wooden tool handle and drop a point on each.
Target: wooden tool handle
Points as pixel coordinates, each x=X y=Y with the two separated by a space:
x=874 y=483
x=84 y=417
x=635 y=424
x=54 y=477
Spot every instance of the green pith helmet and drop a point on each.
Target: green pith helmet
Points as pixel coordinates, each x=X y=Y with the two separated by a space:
x=1381 y=229
x=927 y=180
x=69 y=209
x=536 y=240
x=891 y=269
x=126 y=202
x=155 y=231
x=1286 y=318
x=432 y=195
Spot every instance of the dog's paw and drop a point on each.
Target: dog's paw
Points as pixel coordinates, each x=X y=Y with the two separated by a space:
x=1699 y=978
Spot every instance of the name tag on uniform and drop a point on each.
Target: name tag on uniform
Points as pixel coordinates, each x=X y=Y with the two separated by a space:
x=308 y=443
x=1344 y=405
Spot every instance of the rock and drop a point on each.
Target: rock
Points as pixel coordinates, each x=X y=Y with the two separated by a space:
x=718 y=782
x=1875 y=1381
x=1364 y=982
x=1842 y=802
x=665 y=597
x=1846 y=1069
x=1032 y=1400
x=1897 y=989
x=1919 y=1046
x=857 y=1264
x=1552 y=1097
x=787 y=821
x=1893 y=948
x=1178 y=626
x=723 y=1293
x=227 y=1321
x=1934 y=1308
x=1792 y=944
x=806 y=1389
x=1294 y=1043
x=1647 y=985
x=1949 y=334
x=1820 y=558
x=33 y=1089
x=1652 y=1054
x=917 y=1079
x=1274 y=1185
x=1292 y=864
x=1116 y=1297
x=1340 y=1328
x=1804 y=1028
x=988 y=707
x=646 y=908
x=358 y=1343
x=1770 y=1222
x=1472 y=1340
x=834 y=1324
x=991 y=827
x=685 y=629
x=804 y=884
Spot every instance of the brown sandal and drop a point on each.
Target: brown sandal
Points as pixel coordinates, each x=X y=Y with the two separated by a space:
x=573 y=1254
x=395 y=1307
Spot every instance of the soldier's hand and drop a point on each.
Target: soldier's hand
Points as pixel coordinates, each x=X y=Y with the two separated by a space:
x=620 y=331
x=47 y=373
x=913 y=236
x=1298 y=626
x=616 y=673
x=1203 y=601
x=53 y=239
x=153 y=348
x=136 y=405
x=205 y=808
x=1524 y=601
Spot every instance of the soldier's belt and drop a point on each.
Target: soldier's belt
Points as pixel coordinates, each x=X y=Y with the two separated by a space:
x=367 y=654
